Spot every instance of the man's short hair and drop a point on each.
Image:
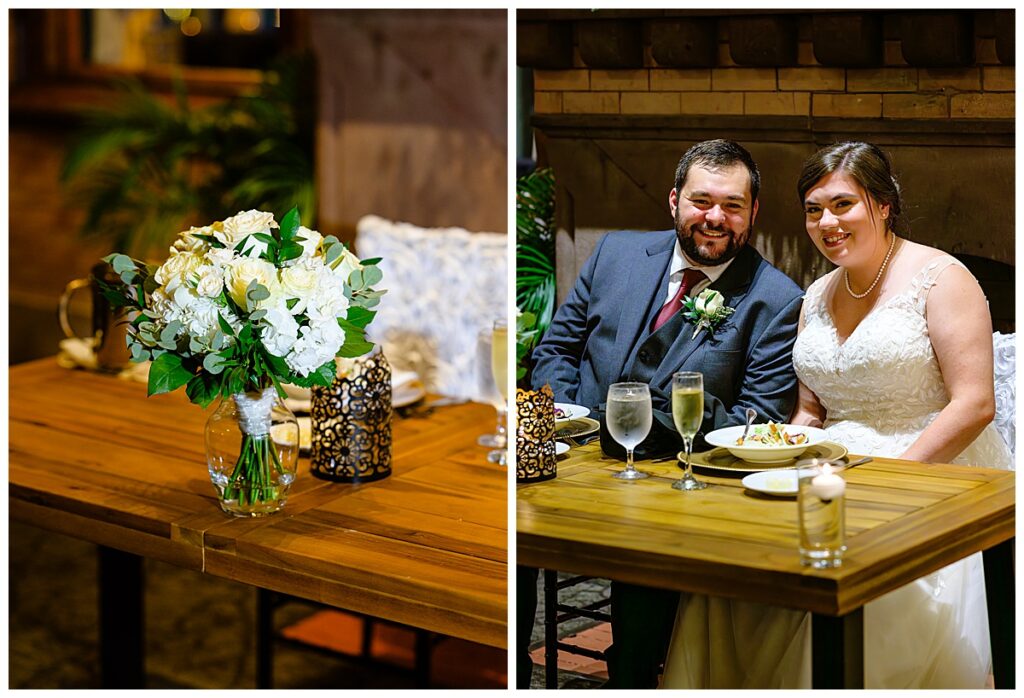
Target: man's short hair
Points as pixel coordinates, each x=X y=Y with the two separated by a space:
x=717 y=155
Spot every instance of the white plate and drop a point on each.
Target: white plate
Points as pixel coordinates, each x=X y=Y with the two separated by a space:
x=760 y=453
x=776 y=482
x=570 y=412
x=279 y=432
x=561 y=448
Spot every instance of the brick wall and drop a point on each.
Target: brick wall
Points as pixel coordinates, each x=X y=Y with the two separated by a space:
x=893 y=90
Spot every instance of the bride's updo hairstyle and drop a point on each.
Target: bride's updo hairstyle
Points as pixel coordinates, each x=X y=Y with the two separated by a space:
x=867 y=165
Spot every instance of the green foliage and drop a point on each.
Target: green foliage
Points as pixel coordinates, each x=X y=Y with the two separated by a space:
x=143 y=169
x=535 y=258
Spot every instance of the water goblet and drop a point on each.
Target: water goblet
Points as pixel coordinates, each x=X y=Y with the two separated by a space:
x=688 y=413
x=487 y=393
x=628 y=418
x=499 y=371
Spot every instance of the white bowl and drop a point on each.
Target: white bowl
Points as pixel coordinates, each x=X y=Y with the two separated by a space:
x=753 y=452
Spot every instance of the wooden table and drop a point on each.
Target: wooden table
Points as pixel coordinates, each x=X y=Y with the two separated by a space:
x=92 y=457
x=903 y=520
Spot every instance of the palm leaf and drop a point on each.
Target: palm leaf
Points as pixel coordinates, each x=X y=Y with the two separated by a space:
x=535 y=254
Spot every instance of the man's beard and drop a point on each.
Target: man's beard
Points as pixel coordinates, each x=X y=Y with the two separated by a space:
x=734 y=243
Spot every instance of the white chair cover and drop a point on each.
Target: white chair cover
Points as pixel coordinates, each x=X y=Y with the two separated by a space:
x=443 y=286
x=1005 y=369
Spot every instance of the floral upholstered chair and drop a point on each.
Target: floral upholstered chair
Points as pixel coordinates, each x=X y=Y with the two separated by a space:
x=1005 y=365
x=444 y=285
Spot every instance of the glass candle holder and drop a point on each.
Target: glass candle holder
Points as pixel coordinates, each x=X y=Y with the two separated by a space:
x=821 y=501
x=351 y=422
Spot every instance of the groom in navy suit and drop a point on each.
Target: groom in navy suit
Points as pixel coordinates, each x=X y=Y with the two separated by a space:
x=622 y=321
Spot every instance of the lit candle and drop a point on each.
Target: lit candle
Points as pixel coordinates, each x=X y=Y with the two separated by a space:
x=827 y=485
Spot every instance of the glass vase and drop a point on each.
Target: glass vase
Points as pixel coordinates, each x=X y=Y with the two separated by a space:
x=252 y=451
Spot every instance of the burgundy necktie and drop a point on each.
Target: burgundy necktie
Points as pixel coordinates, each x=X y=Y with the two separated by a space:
x=691 y=277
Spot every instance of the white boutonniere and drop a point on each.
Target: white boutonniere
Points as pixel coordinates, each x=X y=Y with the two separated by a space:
x=706 y=311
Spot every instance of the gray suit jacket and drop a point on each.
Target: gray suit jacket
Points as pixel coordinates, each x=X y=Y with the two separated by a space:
x=601 y=335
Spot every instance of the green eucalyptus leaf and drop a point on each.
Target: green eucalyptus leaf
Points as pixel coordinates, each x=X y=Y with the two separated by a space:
x=372 y=275
x=122 y=263
x=214 y=363
x=355 y=280
x=257 y=315
x=332 y=253
x=171 y=331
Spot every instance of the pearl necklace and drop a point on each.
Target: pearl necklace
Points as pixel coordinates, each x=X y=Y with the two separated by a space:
x=878 y=276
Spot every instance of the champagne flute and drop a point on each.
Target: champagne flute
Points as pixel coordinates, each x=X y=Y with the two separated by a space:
x=487 y=390
x=688 y=413
x=628 y=418
x=499 y=371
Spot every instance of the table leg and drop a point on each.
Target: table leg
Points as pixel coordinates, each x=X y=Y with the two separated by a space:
x=266 y=601
x=122 y=636
x=837 y=650
x=998 y=562
x=550 y=629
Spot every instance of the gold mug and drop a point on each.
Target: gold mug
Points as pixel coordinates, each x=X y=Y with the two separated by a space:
x=109 y=328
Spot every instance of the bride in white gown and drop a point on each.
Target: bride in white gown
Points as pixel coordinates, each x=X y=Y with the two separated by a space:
x=894 y=357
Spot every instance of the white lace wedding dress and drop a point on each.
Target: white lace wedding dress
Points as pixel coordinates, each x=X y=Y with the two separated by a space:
x=880 y=388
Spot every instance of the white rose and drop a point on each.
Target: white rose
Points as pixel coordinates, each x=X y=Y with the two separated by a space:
x=300 y=282
x=235 y=229
x=178 y=269
x=243 y=271
x=187 y=240
x=211 y=281
x=708 y=302
x=311 y=243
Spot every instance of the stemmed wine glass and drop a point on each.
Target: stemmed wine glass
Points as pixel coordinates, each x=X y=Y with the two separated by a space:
x=487 y=392
x=688 y=413
x=499 y=371
x=628 y=417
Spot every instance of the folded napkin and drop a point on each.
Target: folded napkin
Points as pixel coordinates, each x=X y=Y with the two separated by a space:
x=406 y=388
x=78 y=353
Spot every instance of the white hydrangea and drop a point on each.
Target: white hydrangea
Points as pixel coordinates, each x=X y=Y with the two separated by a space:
x=328 y=302
x=280 y=331
x=316 y=345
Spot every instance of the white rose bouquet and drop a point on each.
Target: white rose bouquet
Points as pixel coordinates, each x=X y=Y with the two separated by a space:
x=244 y=305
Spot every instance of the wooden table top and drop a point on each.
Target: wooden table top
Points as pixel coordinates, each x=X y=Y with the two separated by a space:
x=92 y=457
x=903 y=520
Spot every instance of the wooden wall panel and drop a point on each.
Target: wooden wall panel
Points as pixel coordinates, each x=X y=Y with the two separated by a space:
x=412 y=120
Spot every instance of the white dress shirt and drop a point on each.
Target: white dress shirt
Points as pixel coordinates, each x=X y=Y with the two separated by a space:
x=680 y=263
